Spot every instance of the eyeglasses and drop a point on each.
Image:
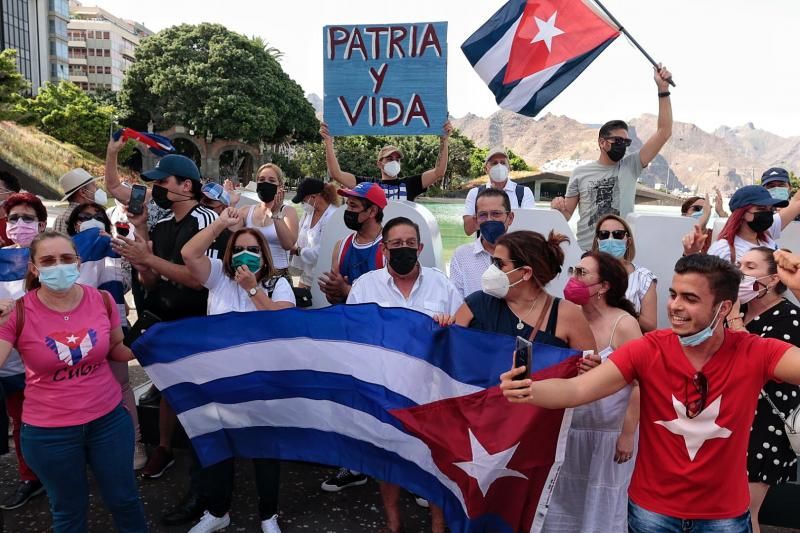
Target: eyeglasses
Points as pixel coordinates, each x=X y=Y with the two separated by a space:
x=700 y=384
x=251 y=249
x=579 y=272
x=86 y=217
x=618 y=234
x=483 y=216
x=400 y=243
x=25 y=218
x=695 y=208
x=53 y=260
x=618 y=140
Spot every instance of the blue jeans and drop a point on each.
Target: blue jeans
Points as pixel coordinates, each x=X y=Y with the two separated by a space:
x=643 y=521
x=59 y=457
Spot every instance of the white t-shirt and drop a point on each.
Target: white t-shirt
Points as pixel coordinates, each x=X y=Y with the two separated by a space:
x=511 y=191
x=603 y=190
x=308 y=239
x=722 y=249
x=225 y=295
x=431 y=294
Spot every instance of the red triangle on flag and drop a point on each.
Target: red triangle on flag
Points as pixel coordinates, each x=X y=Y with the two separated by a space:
x=551 y=32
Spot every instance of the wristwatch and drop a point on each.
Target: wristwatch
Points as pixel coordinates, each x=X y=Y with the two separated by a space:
x=252 y=292
x=278 y=215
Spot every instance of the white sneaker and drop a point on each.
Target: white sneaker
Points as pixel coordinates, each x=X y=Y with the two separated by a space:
x=270 y=525
x=210 y=523
x=139 y=456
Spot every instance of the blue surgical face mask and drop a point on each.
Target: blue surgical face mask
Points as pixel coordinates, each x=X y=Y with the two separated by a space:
x=615 y=247
x=491 y=230
x=696 y=339
x=779 y=193
x=697 y=214
x=59 y=277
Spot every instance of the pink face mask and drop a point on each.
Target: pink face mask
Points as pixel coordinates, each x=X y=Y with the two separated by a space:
x=577 y=291
x=22 y=233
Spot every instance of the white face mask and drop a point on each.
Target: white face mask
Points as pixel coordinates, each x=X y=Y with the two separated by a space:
x=92 y=223
x=392 y=168
x=100 y=197
x=498 y=173
x=494 y=281
x=309 y=207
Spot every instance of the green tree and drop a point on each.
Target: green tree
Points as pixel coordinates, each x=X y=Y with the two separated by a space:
x=516 y=162
x=12 y=84
x=212 y=80
x=70 y=115
x=794 y=180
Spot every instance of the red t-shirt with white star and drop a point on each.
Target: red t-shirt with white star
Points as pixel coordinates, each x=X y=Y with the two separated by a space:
x=695 y=468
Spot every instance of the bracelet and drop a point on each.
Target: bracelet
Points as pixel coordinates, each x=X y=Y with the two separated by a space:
x=664 y=94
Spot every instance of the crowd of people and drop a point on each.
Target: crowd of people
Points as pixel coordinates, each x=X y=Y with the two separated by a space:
x=662 y=418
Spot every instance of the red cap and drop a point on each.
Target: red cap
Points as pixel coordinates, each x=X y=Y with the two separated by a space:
x=370 y=191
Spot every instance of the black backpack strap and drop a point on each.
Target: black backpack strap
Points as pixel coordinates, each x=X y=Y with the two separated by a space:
x=520 y=191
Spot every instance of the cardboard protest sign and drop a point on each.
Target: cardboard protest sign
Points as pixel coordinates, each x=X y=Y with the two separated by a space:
x=385 y=79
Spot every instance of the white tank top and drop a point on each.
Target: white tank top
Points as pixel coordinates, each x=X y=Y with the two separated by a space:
x=280 y=257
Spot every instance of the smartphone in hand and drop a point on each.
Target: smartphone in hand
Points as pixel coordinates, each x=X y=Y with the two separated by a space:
x=523 y=356
x=136 y=203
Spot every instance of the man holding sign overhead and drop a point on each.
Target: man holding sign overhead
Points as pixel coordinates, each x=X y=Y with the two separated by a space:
x=386 y=79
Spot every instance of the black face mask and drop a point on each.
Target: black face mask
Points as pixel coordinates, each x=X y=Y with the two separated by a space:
x=402 y=260
x=160 y=197
x=351 y=220
x=266 y=191
x=762 y=221
x=616 y=152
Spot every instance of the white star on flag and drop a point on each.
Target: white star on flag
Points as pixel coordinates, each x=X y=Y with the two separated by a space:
x=547 y=30
x=487 y=467
x=696 y=431
x=72 y=338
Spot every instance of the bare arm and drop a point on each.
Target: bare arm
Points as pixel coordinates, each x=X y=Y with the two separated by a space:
x=194 y=251
x=566 y=206
x=463 y=316
x=664 y=126
x=118 y=351
x=114 y=186
x=574 y=328
x=286 y=223
x=788 y=368
x=600 y=382
x=334 y=170
x=436 y=173
x=648 y=316
x=790 y=212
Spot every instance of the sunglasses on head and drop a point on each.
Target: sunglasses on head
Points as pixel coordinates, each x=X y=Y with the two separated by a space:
x=618 y=140
x=700 y=384
x=25 y=218
x=251 y=249
x=85 y=217
x=618 y=234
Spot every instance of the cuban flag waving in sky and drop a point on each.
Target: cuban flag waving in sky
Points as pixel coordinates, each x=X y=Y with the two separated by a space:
x=531 y=50
x=381 y=390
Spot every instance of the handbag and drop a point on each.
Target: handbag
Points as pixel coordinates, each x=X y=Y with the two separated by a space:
x=791 y=423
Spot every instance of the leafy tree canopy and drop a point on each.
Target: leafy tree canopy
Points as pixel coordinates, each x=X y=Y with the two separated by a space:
x=210 y=79
x=11 y=83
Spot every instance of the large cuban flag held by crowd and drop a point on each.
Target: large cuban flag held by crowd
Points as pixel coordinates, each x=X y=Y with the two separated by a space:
x=384 y=391
x=531 y=50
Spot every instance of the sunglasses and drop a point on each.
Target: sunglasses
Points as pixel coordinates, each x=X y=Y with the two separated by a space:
x=578 y=272
x=251 y=249
x=25 y=218
x=618 y=234
x=496 y=261
x=618 y=140
x=700 y=384
x=86 y=217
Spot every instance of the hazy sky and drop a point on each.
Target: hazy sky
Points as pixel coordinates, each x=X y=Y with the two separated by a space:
x=734 y=61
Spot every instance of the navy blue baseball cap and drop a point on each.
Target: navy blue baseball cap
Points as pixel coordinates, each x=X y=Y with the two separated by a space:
x=754 y=195
x=173 y=165
x=774 y=174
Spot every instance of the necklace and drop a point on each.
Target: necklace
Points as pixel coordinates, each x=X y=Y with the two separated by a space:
x=520 y=325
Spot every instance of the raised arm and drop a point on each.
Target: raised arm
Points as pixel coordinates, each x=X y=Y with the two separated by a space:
x=334 y=170
x=285 y=220
x=429 y=177
x=194 y=251
x=790 y=212
x=114 y=186
x=663 y=132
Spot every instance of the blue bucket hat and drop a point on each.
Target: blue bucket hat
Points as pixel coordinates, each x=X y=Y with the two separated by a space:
x=173 y=165
x=754 y=195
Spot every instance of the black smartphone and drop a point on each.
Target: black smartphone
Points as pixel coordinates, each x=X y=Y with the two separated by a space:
x=523 y=356
x=136 y=203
